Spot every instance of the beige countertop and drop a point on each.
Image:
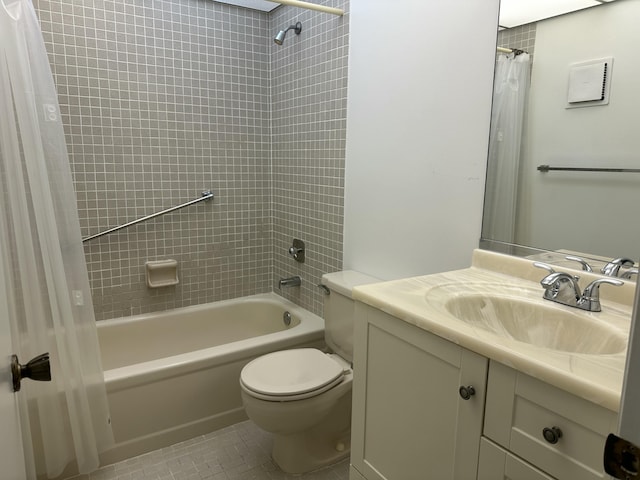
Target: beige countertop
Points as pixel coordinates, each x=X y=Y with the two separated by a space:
x=420 y=301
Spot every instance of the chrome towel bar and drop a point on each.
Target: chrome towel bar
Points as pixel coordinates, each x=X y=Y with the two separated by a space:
x=547 y=168
x=206 y=195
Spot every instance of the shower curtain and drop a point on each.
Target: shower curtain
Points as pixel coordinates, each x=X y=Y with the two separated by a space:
x=510 y=94
x=45 y=280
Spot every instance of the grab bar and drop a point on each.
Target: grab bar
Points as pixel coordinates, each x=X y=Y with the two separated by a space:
x=547 y=168
x=206 y=195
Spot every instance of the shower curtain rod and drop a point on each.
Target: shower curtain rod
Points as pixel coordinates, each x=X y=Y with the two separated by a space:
x=517 y=51
x=310 y=6
x=206 y=195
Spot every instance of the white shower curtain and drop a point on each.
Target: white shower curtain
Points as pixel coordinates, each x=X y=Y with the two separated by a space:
x=510 y=94
x=42 y=262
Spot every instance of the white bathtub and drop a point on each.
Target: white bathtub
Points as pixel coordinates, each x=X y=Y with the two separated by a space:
x=174 y=375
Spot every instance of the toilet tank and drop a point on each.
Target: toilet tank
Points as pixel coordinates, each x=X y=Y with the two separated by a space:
x=339 y=309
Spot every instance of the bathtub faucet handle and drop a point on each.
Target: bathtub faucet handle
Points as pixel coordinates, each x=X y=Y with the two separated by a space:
x=297 y=250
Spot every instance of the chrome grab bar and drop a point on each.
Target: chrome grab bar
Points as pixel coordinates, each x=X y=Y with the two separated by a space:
x=206 y=195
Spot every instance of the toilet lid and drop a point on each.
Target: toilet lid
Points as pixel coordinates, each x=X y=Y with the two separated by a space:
x=291 y=372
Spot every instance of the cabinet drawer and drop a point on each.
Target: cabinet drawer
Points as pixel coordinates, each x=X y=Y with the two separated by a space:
x=519 y=408
x=498 y=464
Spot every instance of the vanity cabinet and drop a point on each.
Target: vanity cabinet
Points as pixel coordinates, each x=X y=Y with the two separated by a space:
x=410 y=420
x=561 y=434
x=496 y=463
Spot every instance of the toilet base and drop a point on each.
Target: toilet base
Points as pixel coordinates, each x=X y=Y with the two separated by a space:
x=323 y=445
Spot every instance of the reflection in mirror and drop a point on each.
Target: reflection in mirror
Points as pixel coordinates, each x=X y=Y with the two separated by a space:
x=559 y=123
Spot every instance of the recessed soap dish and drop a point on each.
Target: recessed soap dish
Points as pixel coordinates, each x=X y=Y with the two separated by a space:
x=162 y=273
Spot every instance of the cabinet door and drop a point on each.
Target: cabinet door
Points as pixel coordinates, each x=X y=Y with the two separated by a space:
x=498 y=464
x=409 y=420
x=519 y=410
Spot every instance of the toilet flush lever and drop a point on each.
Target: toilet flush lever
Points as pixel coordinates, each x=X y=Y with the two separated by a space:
x=324 y=289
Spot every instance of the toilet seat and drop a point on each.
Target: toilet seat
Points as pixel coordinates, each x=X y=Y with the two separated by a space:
x=291 y=375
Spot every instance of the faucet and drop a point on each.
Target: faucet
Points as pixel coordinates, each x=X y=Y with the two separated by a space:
x=585 y=266
x=563 y=288
x=630 y=273
x=290 y=282
x=612 y=268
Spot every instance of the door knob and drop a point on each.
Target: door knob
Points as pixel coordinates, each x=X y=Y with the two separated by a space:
x=38 y=368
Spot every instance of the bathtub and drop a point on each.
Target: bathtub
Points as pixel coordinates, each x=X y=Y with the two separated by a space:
x=174 y=375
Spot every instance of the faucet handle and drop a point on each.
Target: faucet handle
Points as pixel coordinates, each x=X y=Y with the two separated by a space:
x=585 y=266
x=612 y=268
x=544 y=266
x=591 y=294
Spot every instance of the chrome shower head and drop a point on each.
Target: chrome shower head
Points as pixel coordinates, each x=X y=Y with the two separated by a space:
x=279 y=38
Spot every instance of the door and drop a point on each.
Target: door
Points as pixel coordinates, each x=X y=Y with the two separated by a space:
x=11 y=453
x=418 y=402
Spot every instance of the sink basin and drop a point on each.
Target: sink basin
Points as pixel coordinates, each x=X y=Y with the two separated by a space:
x=532 y=322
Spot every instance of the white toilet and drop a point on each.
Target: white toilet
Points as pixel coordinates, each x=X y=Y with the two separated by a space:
x=303 y=396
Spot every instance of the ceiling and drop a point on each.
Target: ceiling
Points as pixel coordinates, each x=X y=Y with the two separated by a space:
x=520 y=12
x=512 y=12
x=261 y=5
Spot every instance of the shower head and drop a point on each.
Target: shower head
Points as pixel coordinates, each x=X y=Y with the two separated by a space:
x=279 y=38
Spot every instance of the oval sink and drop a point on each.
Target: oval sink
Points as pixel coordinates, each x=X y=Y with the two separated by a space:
x=536 y=324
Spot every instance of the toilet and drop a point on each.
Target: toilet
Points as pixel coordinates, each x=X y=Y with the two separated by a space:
x=303 y=396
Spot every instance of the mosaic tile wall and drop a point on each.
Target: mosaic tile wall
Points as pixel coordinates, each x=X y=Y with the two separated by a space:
x=164 y=99
x=522 y=37
x=309 y=102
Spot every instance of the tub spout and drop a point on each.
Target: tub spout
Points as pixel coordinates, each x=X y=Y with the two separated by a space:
x=289 y=282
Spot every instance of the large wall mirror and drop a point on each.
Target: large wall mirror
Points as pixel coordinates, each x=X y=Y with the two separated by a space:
x=548 y=111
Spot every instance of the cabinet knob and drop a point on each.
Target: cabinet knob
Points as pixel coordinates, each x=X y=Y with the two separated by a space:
x=466 y=392
x=552 y=435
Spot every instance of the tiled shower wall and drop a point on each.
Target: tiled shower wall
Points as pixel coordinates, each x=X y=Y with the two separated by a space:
x=522 y=37
x=309 y=103
x=164 y=99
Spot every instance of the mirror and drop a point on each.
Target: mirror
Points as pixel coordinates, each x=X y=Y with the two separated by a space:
x=585 y=210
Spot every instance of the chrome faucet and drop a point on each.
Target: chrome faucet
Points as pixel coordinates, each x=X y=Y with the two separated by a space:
x=612 y=268
x=585 y=266
x=630 y=273
x=563 y=288
x=290 y=282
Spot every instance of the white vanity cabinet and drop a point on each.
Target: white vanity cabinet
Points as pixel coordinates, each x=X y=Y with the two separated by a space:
x=557 y=432
x=410 y=421
x=409 y=418
x=496 y=463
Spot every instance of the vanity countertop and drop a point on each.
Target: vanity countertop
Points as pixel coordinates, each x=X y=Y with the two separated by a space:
x=418 y=300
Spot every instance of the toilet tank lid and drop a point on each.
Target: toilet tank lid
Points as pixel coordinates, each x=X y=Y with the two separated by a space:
x=343 y=282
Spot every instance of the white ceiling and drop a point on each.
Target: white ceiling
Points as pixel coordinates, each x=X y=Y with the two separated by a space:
x=520 y=12
x=512 y=12
x=262 y=5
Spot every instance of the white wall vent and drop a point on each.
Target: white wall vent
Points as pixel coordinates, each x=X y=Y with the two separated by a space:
x=589 y=83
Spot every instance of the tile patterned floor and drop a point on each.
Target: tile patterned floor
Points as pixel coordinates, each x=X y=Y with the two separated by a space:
x=238 y=452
